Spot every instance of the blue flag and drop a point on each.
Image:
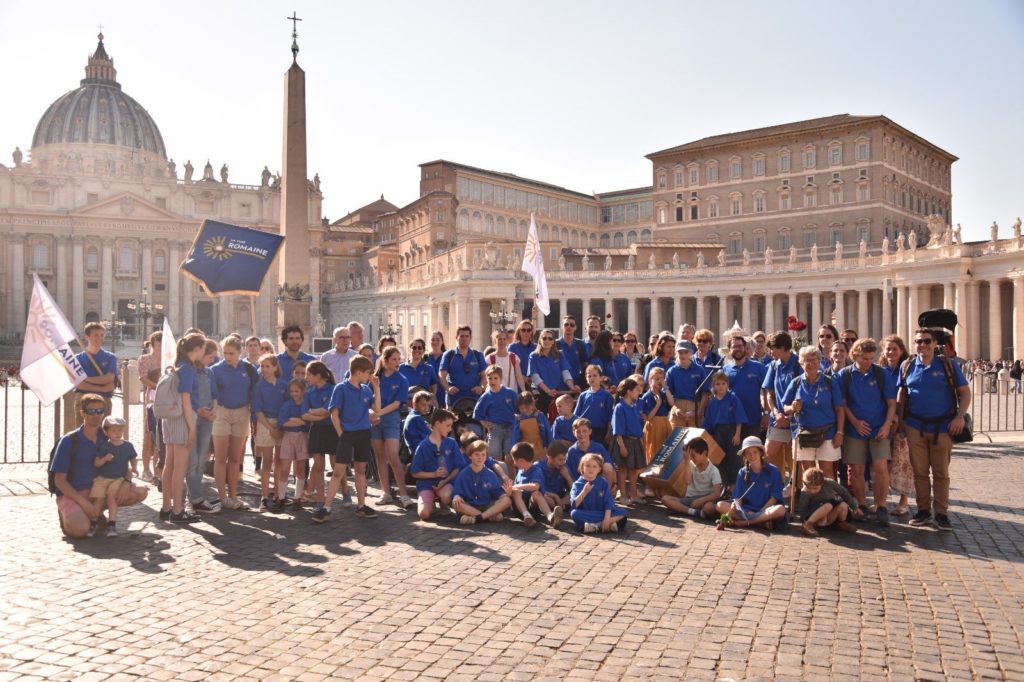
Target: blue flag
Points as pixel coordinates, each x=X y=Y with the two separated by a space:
x=227 y=259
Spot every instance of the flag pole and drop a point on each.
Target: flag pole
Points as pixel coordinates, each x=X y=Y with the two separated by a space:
x=252 y=315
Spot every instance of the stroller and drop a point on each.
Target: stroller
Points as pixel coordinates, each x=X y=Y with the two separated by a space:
x=463 y=409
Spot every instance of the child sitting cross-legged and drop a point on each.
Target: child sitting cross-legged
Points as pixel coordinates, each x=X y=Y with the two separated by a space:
x=757 y=493
x=593 y=509
x=436 y=463
x=584 y=445
x=824 y=503
x=557 y=480
x=703 y=484
x=478 y=493
x=528 y=488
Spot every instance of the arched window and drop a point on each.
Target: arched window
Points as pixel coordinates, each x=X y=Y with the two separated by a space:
x=645 y=235
x=544 y=234
x=631 y=237
x=126 y=259
x=477 y=222
x=575 y=238
x=463 y=223
x=593 y=239
x=159 y=262
x=606 y=241
x=488 y=224
x=619 y=241
x=92 y=259
x=41 y=256
x=501 y=226
x=565 y=236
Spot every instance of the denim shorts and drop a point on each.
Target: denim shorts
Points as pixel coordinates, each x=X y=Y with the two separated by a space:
x=384 y=431
x=499 y=442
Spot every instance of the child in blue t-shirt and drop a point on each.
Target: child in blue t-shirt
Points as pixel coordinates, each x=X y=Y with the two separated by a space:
x=724 y=417
x=528 y=488
x=557 y=480
x=496 y=410
x=757 y=494
x=416 y=427
x=627 y=434
x=478 y=494
x=115 y=465
x=562 y=428
x=655 y=405
x=593 y=509
x=585 y=444
x=294 y=448
x=436 y=463
x=596 y=405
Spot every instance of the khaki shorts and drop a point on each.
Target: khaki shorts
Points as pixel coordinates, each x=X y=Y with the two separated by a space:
x=265 y=437
x=232 y=422
x=855 y=450
x=101 y=487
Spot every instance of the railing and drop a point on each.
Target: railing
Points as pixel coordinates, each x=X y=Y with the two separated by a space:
x=997 y=405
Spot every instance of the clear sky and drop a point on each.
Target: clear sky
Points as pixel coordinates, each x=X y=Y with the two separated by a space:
x=572 y=92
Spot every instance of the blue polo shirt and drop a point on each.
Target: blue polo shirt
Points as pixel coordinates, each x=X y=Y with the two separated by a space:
x=268 y=397
x=353 y=404
x=647 y=404
x=929 y=394
x=864 y=399
x=463 y=372
x=573 y=354
x=576 y=452
x=522 y=351
x=562 y=429
x=188 y=381
x=435 y=364
x=725 y=410
x=778 y=378
x=554 y=482
x=415 y=429
x=598 y=499
x=756 y=489
x=550 y=370
x=626 y=420
x=498 y=406
x=477 y=488
x=290 y=409
x=428 y=458
x=422 y=375
x=81 y=471
x=287 y=363
x=123 y=456
x=108 y=365
x=595 y=406
x=683 y=382
x=233 y=384
x=712 y=358
x=319 y=398
x=532 y=474
x=393 y=388
x=745 y=381
x=820 y=401
x=657 y=362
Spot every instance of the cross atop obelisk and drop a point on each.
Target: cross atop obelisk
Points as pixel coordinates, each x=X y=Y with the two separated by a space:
x=294 y=18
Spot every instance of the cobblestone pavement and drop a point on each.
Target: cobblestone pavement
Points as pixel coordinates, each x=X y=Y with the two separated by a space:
x=250 y=596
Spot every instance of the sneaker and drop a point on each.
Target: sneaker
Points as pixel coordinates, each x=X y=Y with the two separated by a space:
x=165 y=514
x=923 y=517
x=498 y=518
x=383 y=500
x=112 y=529
x=846 y=526
x=183 y=518
x=407 y=502
x=556 y=516
x=228 y=503
x=882 y=517
x=591 y=528
x=808 y=529
x=298 y=502
x=279 y=504
x=240 y=504
x=529 y=521
x=321 y=514
x=346 y=499
x=204 y=507
x=365 y=512
x=264 y=505
x=942 y=522
x=467 y=520
x=91 y=533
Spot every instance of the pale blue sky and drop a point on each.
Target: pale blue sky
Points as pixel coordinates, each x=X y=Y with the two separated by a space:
x=572 y=93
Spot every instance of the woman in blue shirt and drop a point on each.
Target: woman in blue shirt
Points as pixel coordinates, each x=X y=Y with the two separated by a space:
x=437 y=350
x=323 y=439
x=394 y=393
x=523 y=344
x=417 y=370
x=816 y=402
x=549 y=371
x=179 y=433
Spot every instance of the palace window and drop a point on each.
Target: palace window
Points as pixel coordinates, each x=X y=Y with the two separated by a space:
x=863 y=192
x=759 y=242
x=694 y=176
x=662 y=181
x=863 y=151
x=759 y=204
x=735 y=167
x=713 y=208
x=810 y=198
x=735 y=244
x=735 y=206
x=836 y=196
x=41 y=256
x=784 y=242
x=863 y=233
x=784 y=201
x=694 y=212
x=835 y=155
x=810 y=157
x=784 y=161
x=679 y=214
x=679 y=179
x=759 y=166
x=92 y=259
x=810 y=239
x=712 y=172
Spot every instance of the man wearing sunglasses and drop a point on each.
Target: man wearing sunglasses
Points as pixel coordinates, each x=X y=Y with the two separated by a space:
x=462 y=369
x=73 y=468
x=574 y=350
x=931 y=415
x=337 y=358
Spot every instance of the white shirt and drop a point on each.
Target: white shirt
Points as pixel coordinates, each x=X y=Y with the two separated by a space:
x=338 y=362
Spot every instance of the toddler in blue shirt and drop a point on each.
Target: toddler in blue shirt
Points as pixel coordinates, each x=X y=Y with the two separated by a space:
x=529 y=487
x=115 y=465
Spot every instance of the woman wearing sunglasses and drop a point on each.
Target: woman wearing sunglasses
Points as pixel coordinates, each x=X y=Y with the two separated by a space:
x=417 y=370
x=511 y=374
x=631 y=349
x=522 y=343
x=549 y=371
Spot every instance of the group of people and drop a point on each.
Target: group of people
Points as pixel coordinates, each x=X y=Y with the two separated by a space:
x=540 y=425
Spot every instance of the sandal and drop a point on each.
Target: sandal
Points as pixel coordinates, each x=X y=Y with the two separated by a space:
x=724 y=521
x=808 y=529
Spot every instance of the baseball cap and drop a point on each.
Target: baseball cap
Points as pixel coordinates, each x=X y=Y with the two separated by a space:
x=683 y=344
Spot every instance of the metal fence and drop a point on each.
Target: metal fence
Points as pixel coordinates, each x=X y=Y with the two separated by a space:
x=997 y=405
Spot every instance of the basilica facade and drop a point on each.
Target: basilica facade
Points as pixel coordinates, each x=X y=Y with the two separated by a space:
x=99 y=211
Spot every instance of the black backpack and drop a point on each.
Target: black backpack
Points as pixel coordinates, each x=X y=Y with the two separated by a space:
x=254 y=377
x=51 y=481
x=879 y=379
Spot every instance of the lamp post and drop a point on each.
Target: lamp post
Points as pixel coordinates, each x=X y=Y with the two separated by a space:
x=388 y=330
x=504 y=319
x=143 y=310
x=115 y=326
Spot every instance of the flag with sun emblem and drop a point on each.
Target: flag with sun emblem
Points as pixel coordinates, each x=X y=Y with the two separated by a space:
x=227 y=259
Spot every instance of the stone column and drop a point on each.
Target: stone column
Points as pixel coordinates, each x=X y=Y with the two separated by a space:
x=723 y=317
x=949 y=296
x=841 y=310
x=701 y=321
x=816 y=318
x=995 y=321
x=225 y=314
x=793 y=308
x=609 y=307
x=188 y=307
x=18 y=314
x=78 y=286
x=106 y=278
x=778 y=321
x=917 y=305
x=147 y=266
x=902 y=312
x=863 y=323
x=677 y=313
x=62 y=292
x=974 y=330
x=748 y=321
x=656 y=324
x=1018 y=316
x=173 y=311
x=586 y=312
x=885 y=327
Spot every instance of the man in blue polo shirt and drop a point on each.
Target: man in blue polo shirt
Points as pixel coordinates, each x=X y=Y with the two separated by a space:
x=99 y=365
x=574 y=351
x=745 y=378
x=931 y=415
x=292 y=338
x=462 y=369
x=73 y=467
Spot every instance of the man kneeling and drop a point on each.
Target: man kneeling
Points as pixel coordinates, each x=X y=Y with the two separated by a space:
x=74 y=471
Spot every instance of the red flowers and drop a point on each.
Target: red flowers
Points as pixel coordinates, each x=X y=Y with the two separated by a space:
x=795 y=324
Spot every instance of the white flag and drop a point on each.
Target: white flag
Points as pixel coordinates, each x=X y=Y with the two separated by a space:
x=168 y=347
x=48 y=365
x=533 y=264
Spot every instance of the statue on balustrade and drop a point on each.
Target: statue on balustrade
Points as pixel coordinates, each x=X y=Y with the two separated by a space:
x=188 y=170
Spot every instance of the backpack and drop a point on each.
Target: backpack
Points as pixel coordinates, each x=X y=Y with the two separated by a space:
x=166 y=401
x=879 y=379
x=51 y=481
x=254 y=377
x=965 y=436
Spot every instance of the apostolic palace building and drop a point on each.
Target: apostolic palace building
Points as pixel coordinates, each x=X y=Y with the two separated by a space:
x=843 y=218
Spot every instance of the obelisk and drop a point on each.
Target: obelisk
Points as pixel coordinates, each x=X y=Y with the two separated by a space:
x=294 y=261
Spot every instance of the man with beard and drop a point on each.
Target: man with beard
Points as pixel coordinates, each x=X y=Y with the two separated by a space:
x=745 y=378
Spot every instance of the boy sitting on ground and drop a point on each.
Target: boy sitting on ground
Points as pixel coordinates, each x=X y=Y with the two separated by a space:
x=703 y=484
x=478 y=493
x=824 y=503
x=528 y=488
